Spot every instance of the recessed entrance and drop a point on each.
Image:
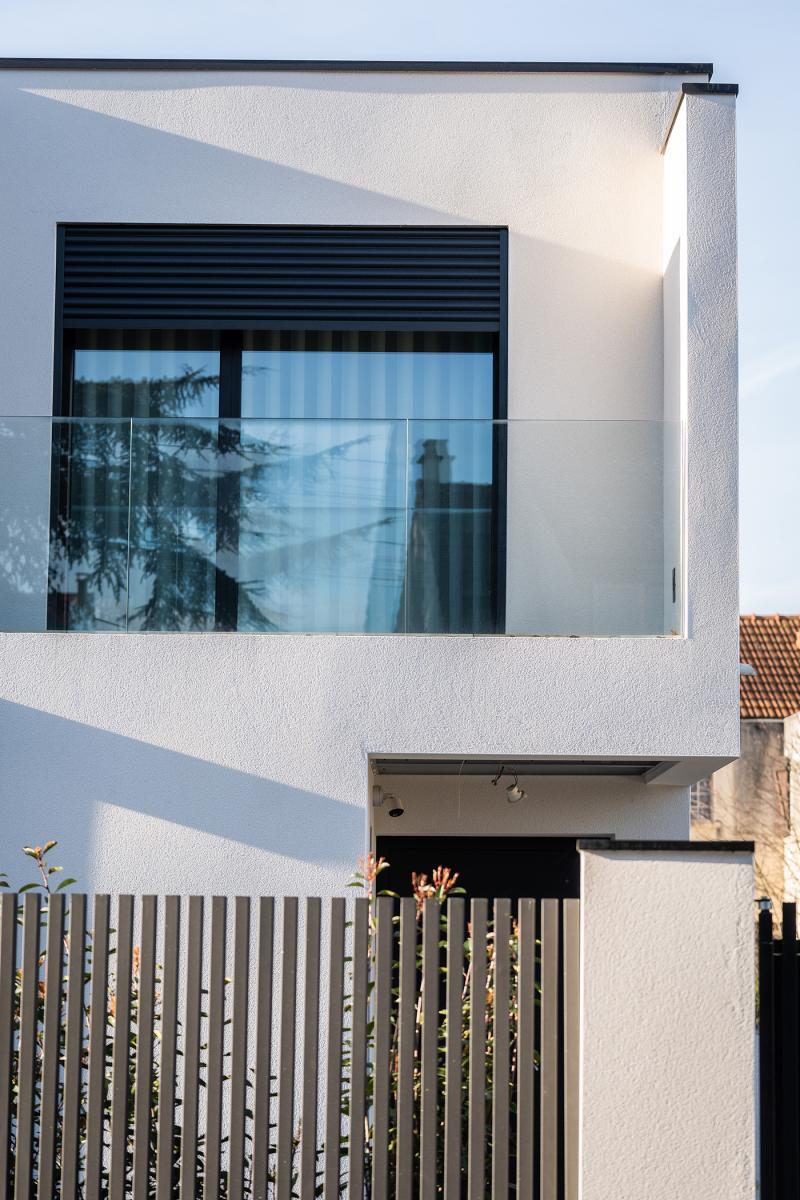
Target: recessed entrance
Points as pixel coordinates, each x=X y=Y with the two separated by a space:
x=512 y=867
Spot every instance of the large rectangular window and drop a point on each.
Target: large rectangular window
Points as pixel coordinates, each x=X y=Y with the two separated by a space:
x=279 y=428
x=277 y=480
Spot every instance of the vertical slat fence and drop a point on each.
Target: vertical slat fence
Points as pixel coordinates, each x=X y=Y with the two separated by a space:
x=399 y=1050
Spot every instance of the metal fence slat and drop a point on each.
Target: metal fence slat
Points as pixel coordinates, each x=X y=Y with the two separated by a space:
x=263 y=1063
x=500 y=1048
x=26 y=1061
x=526 y=1012
x=191 y=1049
x=476 y=1127
x=53 y=1016
x=358 y=1051
x=98 y=1023
x=308 y=1131
x=73 y=1049
x=333 y=1068
x=241 y=987
x=380 y=1085
x=548 y=1124
x=285 y=1155
x=406 y=1020
x=453 y=1034
x=169 y=1047
x=429 y=1053
x=145 y=1022
x=766 y=1051
x=212 y=1178
x=790 y=1063
x=120 y=1063
x=570 y=1049
x=8 y=969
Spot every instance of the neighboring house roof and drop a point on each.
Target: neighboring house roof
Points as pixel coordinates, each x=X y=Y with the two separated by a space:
x=772 y=646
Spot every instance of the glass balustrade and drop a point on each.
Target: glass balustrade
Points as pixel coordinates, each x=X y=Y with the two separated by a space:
x=315 y=525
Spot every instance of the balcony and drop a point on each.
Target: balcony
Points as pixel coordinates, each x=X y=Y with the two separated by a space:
x=528 y=527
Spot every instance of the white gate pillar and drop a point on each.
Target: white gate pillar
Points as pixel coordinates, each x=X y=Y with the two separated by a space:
x=667 y=1021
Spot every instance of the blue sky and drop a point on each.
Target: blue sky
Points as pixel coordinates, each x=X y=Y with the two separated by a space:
x=755 y=44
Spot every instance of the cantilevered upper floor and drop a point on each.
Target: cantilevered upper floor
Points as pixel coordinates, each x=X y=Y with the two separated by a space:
x=378 y=349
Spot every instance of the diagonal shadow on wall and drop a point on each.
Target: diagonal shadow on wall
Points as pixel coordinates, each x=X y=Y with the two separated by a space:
x=129 y=815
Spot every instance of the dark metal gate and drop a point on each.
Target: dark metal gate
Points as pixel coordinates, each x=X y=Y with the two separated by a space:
x=779 y=1055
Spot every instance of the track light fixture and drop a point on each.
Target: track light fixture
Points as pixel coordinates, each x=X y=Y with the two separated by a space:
x=514 y=793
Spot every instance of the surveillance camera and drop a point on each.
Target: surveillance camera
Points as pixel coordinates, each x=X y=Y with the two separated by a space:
x=396 y=809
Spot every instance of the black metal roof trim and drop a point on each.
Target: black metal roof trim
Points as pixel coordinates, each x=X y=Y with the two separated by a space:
x=344 y=65
x=710 y=89
x=681 y=847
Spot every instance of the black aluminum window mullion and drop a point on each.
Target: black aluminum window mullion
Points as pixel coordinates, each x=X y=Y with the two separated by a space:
x=229 y=498
x=61 y=451
x=499 y=532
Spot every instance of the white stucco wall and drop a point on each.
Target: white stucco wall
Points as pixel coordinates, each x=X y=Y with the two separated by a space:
x=676 y=371
x=668 y=1013
x=246 y=756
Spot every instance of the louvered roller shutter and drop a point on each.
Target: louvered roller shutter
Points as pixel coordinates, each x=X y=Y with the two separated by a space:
x=257 y=276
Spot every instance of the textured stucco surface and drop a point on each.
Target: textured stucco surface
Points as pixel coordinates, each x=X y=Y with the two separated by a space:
x=241 y=761
x=246 y=756
x=668 y=1026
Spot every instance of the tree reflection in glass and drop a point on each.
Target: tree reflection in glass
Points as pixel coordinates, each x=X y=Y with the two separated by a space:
x=294 y=517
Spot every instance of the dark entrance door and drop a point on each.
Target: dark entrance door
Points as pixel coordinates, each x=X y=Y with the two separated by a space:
x=490 y=867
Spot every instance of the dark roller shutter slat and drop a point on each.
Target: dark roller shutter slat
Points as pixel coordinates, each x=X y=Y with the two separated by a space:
x=255 y=275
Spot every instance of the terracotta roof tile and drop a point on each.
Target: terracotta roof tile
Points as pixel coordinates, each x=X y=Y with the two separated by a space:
x=771 y=645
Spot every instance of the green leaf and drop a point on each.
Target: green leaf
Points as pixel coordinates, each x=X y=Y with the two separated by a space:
x=65 y=883
x=48 y=846
x=28 y=887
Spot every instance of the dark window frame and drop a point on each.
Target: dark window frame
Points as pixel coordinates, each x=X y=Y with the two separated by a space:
x=231 y=343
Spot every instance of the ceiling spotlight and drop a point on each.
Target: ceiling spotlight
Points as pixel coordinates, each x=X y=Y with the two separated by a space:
x=514 y=793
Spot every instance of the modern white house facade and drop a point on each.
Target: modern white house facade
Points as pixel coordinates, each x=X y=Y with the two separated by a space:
x=368 y=431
